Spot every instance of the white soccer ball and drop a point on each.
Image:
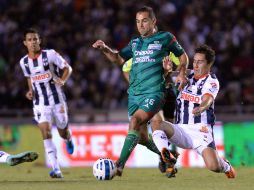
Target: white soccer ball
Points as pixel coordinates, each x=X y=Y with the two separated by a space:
x=104 y=169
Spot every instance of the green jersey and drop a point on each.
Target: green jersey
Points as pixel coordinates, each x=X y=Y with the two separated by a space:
x=146 y=75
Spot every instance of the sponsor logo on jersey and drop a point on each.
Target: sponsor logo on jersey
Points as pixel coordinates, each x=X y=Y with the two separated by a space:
x=42 y=77
x=214 y=87
x=145 y=52
x=143 y=59
x=155 y=46
x=191 y=98
x=204 y=129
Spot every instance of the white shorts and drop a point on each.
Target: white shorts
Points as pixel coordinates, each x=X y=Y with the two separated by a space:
x=57 y=114
x=195 y=136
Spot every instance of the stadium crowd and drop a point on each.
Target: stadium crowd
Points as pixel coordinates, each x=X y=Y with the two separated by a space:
x=71 y=26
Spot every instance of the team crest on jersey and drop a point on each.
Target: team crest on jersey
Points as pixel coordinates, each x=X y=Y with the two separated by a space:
x=45 y=61
x=154 y=46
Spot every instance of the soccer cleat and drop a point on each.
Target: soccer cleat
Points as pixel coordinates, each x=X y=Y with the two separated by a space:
x=56 y=174
x=29 y=156
x=231 y=173
x=70 y=147
x=171 y=171
x=167 y=156
x=163 y=166
x=174 y=153
x=119 y=168
x=170 y=159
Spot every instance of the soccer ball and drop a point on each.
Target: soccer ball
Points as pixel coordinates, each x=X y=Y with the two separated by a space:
x=104 y=169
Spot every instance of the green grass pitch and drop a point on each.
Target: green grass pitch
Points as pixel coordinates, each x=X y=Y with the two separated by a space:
x=32 y=176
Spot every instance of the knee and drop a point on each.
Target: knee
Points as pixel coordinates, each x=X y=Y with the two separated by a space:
x=135 y=123
x=62 y=124
x=46 y=134
x=156 y=124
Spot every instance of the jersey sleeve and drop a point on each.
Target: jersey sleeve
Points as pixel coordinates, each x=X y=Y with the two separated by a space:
x=211 y=88
x=127 y=66
x=22 y=65
x=173 y=45
x=126 y=53
x=57 y=59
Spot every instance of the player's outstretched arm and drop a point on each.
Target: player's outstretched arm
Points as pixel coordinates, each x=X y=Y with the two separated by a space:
x=112 y=55
x=181 y=78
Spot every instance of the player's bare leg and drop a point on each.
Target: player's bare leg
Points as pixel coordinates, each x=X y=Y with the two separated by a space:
x=216 y=164
x=66 y=135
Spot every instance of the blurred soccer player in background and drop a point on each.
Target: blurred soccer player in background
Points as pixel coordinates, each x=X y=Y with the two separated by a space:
x=195 y=115
x=16 y=159
x=42 y=69
x=146 y=79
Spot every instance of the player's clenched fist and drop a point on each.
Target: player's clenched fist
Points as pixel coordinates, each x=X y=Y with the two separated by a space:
x=99 y=44
x=29 y=95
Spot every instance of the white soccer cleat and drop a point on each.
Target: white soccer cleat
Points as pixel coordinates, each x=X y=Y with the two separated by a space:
x=56 y=174
x=29 y=156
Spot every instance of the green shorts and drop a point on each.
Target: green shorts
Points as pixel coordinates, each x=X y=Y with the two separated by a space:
x=150 y=103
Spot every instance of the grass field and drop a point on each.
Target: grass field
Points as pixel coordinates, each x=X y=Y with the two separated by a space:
x=29 y=176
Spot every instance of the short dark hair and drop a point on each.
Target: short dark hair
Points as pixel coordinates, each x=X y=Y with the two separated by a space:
x=147 y=9
x=208 y=51
x=30 y=30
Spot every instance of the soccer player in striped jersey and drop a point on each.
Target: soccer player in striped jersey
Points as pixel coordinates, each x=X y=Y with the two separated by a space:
x=147 y=83
x=195 y=115
x=15 y=159
x=42 y=69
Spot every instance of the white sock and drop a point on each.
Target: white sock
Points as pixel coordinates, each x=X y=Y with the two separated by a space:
x=3 y=156
x=160 y=139
x=225 y=166
x=51 y=152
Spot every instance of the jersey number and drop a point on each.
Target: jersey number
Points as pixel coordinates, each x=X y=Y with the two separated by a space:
x=149 y=102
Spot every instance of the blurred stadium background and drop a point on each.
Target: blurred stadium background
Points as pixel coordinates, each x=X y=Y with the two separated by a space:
x=96 y=91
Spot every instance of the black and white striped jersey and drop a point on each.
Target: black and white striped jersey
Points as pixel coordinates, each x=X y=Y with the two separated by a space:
x=41 y=71
x=190 y=97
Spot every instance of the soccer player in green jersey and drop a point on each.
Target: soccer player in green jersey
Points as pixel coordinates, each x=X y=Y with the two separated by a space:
x=167 y=112
x=147 y=82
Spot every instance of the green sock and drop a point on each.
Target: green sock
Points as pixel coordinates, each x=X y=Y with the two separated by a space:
x=151 y=146
x=130 y=143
